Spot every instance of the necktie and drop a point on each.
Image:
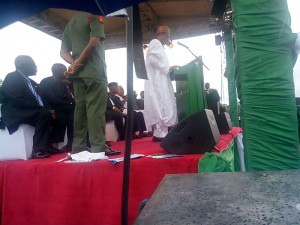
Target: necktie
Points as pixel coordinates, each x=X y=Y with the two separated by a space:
x=70 y=95
x=36 y=95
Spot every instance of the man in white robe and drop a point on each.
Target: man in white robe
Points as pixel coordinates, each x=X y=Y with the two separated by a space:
x=159 y=99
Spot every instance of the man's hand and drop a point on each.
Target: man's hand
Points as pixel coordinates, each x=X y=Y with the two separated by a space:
x=73 y=69
x=172 y=70
x=117 y=109
x=52 y=114
x=174 y=67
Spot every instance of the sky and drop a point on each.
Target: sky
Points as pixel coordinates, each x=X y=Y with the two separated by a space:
x=19 y=38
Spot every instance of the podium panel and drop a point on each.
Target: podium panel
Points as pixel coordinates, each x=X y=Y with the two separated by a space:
x=190 y=96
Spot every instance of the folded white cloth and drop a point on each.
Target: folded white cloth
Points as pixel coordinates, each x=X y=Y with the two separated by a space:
x=86 y=156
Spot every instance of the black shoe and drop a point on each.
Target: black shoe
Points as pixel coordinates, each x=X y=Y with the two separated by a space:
x=109 y=152
x=108 y=144
x=52 y=150
x=148 y=134
x=157 y=139
x=134 y=136
x=66 y=148
x=39 y=155
x=86 y=149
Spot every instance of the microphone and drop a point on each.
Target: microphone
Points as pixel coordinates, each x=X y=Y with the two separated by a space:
x=179 y=43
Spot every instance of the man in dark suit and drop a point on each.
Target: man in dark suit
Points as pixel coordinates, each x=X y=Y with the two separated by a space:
x=118 y=109
x=23 y=105
x=213 y=99
x=57 y=92
x=0 y=91
x=140 y=101
x=114 y=110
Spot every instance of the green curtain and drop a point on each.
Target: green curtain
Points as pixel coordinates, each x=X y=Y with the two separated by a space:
x=231 y=77
x=264 y=72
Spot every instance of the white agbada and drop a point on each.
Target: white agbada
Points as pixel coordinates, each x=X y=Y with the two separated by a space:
x=159 y=98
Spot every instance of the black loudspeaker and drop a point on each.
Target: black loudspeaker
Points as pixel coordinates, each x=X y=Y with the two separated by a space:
x=224 y=122
x=197 y=133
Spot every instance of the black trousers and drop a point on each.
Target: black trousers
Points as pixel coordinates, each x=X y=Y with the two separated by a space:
x=214 y=106
x=138 y=122
x=117 y=117
x=64 y=119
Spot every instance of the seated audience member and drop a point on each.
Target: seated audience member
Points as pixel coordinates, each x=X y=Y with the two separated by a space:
x=122 y=97
x=22 y=104
x=121 y=102
x=57 y=92
x=139 y=125
x=0 y=92
x=140 y=106
x=114 y=110
x=139 y=121
x=140 y=101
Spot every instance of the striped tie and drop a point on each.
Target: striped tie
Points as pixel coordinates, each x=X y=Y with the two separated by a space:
x=36 y=95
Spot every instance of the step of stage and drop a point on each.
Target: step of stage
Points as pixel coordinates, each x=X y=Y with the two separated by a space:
x=225 y=198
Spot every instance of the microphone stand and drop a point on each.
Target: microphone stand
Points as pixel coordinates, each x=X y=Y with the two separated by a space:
x=193 y=54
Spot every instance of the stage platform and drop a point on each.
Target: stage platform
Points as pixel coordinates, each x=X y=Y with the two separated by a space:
x=254 y=198
x=46 y=192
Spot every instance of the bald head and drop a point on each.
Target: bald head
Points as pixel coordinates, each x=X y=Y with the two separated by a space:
x=25 y=64
x=58 y=70
x=207 y=86
x=120 y=91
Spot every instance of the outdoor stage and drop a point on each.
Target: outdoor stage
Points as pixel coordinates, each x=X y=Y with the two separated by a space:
x=45 y=192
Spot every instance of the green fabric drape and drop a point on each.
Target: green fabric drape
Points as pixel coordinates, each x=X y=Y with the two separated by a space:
x=231 y=77
x=222 y=162
x=264 y=71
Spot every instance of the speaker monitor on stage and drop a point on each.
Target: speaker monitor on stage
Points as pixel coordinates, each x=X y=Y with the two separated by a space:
x=224 y=123
x=197 y=133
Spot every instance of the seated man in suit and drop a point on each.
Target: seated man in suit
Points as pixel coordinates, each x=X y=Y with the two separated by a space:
x=57 y=92
x=121 y=95
x=140 y=101
x=120 y=101
x=139 y=125
x=114 y=110
x=22 y=104
x=0 y=92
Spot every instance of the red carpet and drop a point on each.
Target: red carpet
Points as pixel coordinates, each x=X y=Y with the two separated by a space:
x=43 y=192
